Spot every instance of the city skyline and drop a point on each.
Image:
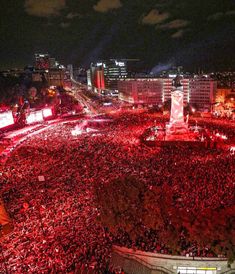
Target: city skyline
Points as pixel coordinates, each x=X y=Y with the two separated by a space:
x=195 y=34
x=117 y=136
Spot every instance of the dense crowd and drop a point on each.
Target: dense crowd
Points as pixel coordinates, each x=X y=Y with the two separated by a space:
x=47 y=185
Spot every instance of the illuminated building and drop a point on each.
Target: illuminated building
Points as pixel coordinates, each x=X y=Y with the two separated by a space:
x=149 y=90
x=222 y=94
x=141 y=91
x=89 y=82
x=95 y=78
x=49 y=69
x=104 y=75
x=113 y=71
x=42 y=61
x=202 y=92
x=225 y=103
x=197 y=91
x=98 y=79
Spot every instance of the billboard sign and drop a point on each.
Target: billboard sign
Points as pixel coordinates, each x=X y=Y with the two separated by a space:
x=34 y=116
x=6 y=119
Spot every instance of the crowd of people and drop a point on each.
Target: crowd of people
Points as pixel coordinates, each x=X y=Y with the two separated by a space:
x=47 y=186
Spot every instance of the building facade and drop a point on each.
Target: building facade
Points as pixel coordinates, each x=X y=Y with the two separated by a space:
x=43 y=61
x=104 y=75
x=114 y=70
x=202 y=92
x=141 y=91
x=55 y=77
x=156 y=91
x=95 y=77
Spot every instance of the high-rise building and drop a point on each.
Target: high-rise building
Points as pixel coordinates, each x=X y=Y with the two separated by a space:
x=95 y=78
x=105 y=75
x=114 y=70
x=49 y=69
x=42 y=61
x=89 y=80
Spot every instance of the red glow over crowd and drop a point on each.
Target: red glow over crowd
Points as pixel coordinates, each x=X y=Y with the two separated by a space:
x=55 y=218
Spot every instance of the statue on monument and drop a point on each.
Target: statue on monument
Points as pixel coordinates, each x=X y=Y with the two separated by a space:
x=177 y=81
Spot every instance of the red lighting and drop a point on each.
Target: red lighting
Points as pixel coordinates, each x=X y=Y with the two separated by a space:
x=99 y=79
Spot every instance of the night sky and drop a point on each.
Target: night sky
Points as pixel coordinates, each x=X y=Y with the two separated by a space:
x=162 y=33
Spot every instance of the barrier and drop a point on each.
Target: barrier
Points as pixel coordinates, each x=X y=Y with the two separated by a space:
x=139 y=262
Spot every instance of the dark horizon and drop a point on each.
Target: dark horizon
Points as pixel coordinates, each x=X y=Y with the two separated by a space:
x=194 y=34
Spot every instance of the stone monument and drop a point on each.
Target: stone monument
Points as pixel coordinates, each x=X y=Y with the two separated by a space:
x=177 y=125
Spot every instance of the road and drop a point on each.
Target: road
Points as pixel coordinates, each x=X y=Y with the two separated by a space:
x=88 y=105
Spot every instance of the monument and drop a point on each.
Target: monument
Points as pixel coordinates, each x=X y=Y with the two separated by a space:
x=177 y=125
x=176 y=131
